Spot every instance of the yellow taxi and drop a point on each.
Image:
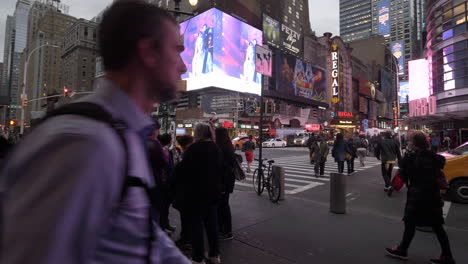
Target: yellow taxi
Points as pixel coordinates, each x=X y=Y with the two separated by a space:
x=456 y=172
x=238 y=142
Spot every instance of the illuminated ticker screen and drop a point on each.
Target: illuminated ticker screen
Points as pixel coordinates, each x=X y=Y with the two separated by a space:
x=220 y=52
x=418 y=71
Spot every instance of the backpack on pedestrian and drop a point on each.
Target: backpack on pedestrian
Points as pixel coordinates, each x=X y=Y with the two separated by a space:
x=237 y=170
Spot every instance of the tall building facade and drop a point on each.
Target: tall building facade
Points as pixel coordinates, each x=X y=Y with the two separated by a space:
x=45 y=66
x=7 y=60
x=79 y=56
x=447 y=53
x=355 y=19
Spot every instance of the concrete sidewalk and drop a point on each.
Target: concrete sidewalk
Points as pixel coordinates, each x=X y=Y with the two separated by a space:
x=303 y=231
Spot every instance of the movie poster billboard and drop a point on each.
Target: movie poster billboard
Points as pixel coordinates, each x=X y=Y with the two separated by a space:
x=398 y=50
x=404 y=92
x=271 y=31
x=220 y=52
x=295 y=78
x=383 y=8
x=263 y=60
x=291 y=40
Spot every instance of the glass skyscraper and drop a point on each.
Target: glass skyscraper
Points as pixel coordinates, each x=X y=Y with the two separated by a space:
x=355 y=19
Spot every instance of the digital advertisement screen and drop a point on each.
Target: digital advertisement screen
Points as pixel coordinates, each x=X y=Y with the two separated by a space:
x=404 y=91
x=263 y=60
x=220 y=52
x=418 y=71
x=399 y=52
x=299 y=79
x=383 y=8
x=271 y=31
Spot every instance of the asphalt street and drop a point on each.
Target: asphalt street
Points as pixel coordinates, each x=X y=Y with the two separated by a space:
x=301 y=229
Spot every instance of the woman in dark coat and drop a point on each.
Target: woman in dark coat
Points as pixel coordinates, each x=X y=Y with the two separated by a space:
x=421 y=170
x=339 y=152
x=224 y=210
x=198 y=187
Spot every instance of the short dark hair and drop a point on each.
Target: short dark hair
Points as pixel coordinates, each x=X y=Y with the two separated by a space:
x=124 y=24
x=419 y=140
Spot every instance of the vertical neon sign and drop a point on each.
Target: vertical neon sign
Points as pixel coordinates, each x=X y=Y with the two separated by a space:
x=335 y=74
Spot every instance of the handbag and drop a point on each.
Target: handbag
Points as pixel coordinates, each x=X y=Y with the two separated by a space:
x=348 y=156
x=237 y=170
x=397 y=182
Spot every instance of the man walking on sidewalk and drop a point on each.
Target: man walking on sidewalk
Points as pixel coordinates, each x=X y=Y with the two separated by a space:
x=248 y=147
x=76 y=190
x=387 y=152
x=362 y=145
x=321 y=156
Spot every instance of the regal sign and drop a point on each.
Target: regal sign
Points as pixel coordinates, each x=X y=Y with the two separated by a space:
x=423 y=106
x=335 y=75
x=345 y=114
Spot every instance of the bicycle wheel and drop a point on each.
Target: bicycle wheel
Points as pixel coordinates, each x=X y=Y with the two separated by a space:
x=274 y=190
x=257 y=180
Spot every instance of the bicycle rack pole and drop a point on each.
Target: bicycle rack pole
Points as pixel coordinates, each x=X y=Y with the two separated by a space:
x=338 y=193
x=277 y=170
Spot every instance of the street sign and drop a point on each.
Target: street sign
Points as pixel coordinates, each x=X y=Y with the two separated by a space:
x=15 y=106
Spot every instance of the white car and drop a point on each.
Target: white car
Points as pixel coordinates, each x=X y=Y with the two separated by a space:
x=274 y=143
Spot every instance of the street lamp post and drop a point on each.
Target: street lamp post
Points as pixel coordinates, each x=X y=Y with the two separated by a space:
x=24 y=97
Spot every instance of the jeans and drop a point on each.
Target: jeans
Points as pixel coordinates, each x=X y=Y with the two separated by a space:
x=204 y=219
x=439 y=230
x=361 y=153
x=387 y=169
x=321 y=166
x=350 y=164
x=340 y=166
x=224 y=215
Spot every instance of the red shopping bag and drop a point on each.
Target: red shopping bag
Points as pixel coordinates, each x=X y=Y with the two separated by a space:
x=397 y=182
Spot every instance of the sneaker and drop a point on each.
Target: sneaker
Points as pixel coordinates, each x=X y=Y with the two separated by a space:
x=443 y=260
x=386 y=189
x=214 y=260
x=390 y=191
x=225 y=237
x=396 y=253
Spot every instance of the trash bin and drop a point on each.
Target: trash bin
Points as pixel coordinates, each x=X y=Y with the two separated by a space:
x=338 y=193
x=277 y=170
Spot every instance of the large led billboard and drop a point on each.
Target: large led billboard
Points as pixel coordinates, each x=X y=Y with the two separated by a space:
x=404 y=91
x=418 y=71
x=398 y=50
x=297 y=79
x=383 y=7
x=220 y=52
x=271 y=31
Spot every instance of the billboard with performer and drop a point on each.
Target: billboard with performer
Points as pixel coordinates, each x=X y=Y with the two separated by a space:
x=220 y=52
x=297 y=79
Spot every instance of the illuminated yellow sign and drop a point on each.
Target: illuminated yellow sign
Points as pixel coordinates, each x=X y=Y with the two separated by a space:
x=335 y=75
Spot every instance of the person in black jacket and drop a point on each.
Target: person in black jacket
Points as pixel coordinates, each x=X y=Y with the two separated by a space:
x=421 y=170
x=388 y=151
x=350 y=155
x=224 y=210
x=199 y=185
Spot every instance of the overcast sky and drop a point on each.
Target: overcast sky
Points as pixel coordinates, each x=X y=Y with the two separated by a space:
x=323 y=14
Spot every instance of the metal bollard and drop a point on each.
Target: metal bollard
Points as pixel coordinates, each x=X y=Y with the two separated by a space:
x=280 y=171
x=337 y=193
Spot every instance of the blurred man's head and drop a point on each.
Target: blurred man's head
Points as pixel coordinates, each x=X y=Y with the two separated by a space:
x=141 y=42
x=185 y=141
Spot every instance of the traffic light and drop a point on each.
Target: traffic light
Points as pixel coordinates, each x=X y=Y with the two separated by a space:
x=65 y=91
x=12 y=122
x=24 y=103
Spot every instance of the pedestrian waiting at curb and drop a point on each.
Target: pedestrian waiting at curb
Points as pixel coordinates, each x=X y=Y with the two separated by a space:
x=199 y=186
x=229 y=158
x=421 y=170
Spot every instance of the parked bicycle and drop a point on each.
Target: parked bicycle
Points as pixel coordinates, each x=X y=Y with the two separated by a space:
x=271 y=182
